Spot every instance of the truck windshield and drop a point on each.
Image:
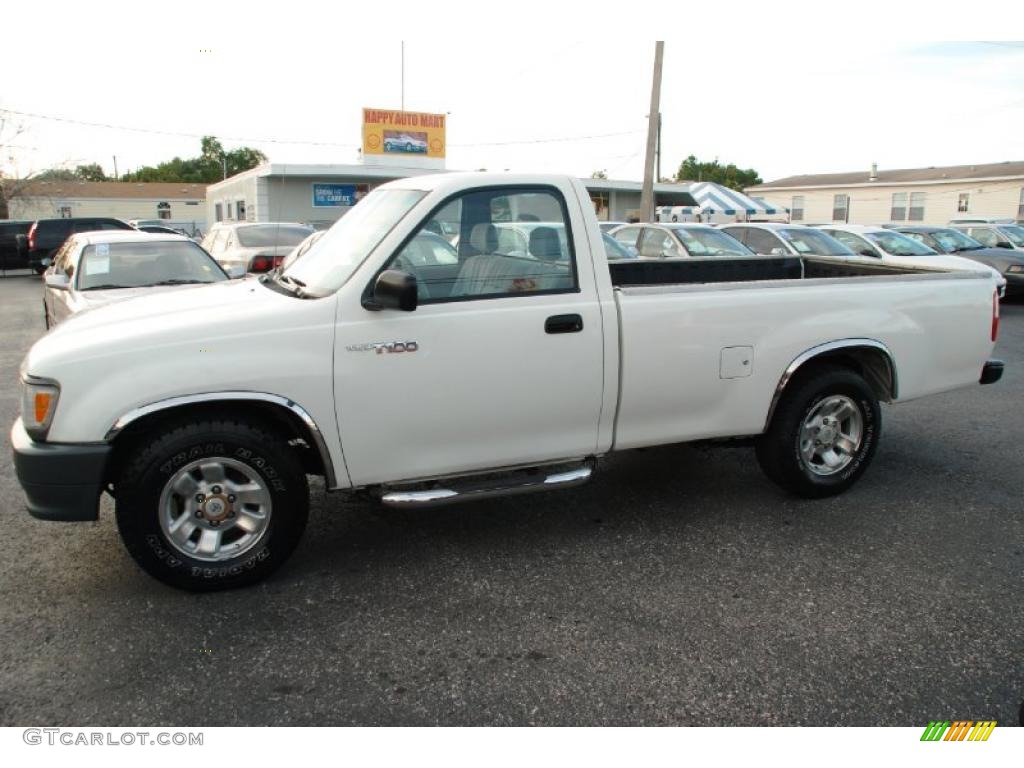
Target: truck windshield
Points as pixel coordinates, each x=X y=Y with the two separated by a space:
x=815 y=242
x=336 y=255
x=899 y=244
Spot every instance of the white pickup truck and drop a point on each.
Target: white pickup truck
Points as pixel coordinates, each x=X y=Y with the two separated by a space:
x=383 y=363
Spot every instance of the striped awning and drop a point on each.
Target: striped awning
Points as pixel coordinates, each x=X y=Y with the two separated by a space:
x=714 y=198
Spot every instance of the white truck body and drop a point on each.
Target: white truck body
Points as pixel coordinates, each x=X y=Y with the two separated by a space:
x=471 y=386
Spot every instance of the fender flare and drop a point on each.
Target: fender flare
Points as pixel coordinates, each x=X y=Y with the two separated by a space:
x=304 y=416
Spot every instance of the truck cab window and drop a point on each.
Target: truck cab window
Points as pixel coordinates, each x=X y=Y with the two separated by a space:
x=509 y=243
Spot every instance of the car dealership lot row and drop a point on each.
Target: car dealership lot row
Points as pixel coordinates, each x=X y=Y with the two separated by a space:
x=680 y=587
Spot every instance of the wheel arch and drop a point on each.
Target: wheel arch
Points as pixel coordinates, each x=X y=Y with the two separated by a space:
x=869 y=357
x=287 y=416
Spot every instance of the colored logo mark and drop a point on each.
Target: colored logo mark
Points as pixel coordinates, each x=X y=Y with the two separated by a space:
x=958 y=730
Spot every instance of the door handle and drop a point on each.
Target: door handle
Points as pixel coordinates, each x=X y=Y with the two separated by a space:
x=563 y=324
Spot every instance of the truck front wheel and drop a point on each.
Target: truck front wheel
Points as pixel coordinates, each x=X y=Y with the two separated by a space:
x=823 y=434
x=210 y=505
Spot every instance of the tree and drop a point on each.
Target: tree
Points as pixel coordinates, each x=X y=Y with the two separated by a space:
x=729 y=175
x=55 y=174
x=212 y=165
x=599 y=174
x=90 y=172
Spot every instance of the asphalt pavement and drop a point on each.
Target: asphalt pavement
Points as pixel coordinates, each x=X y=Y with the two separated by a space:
x=680 y=587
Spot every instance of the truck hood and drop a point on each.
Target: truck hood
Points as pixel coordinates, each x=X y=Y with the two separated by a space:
x=196 y=317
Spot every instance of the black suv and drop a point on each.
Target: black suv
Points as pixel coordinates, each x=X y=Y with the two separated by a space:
x=47 y=235
x=12 y=254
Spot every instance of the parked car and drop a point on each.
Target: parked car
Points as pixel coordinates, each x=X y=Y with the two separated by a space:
x=770 y=239
x=981 y=220
x=1009 y=236
x=608 y=226
x=13 y=236
x=255 y=247
x=669 y=241
x=184 y=226
x=896 y=248
x=1009 y=263
x=45 y=236
x=94 y=269
x=159 y=229
x=204 y=412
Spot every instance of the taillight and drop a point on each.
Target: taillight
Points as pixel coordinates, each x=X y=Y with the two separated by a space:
x=32 y=236
x=260 y=264
x=995 y=315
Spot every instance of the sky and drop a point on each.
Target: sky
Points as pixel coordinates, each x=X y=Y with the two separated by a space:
x=530 y=89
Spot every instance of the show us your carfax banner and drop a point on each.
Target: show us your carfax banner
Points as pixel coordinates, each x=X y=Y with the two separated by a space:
x=393 y=132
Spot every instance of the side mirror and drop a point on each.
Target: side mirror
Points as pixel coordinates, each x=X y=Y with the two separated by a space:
x=45 y=261
x=236 y=271
x=394 y=289
x=868 y=252
x=1004 y=244
x=778 y=251
x=58 y=281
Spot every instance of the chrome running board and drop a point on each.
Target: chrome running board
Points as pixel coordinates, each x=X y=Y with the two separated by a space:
x=509 y=485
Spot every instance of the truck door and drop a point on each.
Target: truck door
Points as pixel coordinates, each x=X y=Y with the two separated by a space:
x=500 y=364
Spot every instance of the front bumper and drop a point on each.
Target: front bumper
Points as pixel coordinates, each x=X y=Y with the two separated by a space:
x=61 y=481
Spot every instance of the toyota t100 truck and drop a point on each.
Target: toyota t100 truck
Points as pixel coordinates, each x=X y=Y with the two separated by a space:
x=390 y=361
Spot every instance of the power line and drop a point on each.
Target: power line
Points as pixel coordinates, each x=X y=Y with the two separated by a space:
x=183 y=134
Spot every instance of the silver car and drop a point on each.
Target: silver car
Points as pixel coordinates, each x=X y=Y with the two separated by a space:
x=94 y=269
x=255 y=247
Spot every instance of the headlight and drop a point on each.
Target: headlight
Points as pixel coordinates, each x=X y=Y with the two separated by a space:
x=1015 y=269
x=38 y=403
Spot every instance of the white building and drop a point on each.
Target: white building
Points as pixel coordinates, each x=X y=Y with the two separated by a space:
x=319 y=194
x=924 y=195
x=178 y=203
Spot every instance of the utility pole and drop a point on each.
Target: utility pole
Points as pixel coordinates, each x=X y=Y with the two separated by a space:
x=115 y=167
x=224 y=163
x=647 y=192
x=657 y=177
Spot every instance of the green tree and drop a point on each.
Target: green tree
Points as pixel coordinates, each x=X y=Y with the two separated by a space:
x=599 y=175
x=55 y=174
x=90 y=172
x=729 y=175
x=208 y=167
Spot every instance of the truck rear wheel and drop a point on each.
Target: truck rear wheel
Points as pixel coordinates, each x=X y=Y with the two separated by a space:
x=211 y=505
x=823 y=434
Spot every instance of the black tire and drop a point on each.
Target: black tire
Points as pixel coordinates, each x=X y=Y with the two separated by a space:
x=779 y=451
x=158 y=457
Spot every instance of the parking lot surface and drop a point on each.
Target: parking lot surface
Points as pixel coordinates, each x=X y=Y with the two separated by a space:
x=679 y=588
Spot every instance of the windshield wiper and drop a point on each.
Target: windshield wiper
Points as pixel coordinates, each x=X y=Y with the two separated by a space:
x=105 y=287
x=968 y=248
x=176 y=281
x=285 y=282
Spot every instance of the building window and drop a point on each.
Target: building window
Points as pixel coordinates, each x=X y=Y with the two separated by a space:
x=841 y=208
x=898 y=210
x=218 y=212
x=963 y=203
x=163 y=210
x=600 y=201
x=916 y=212
x=797 y=208
x=240 y=210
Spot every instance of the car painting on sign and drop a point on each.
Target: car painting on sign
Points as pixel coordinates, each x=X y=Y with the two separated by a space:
x=414 y=142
